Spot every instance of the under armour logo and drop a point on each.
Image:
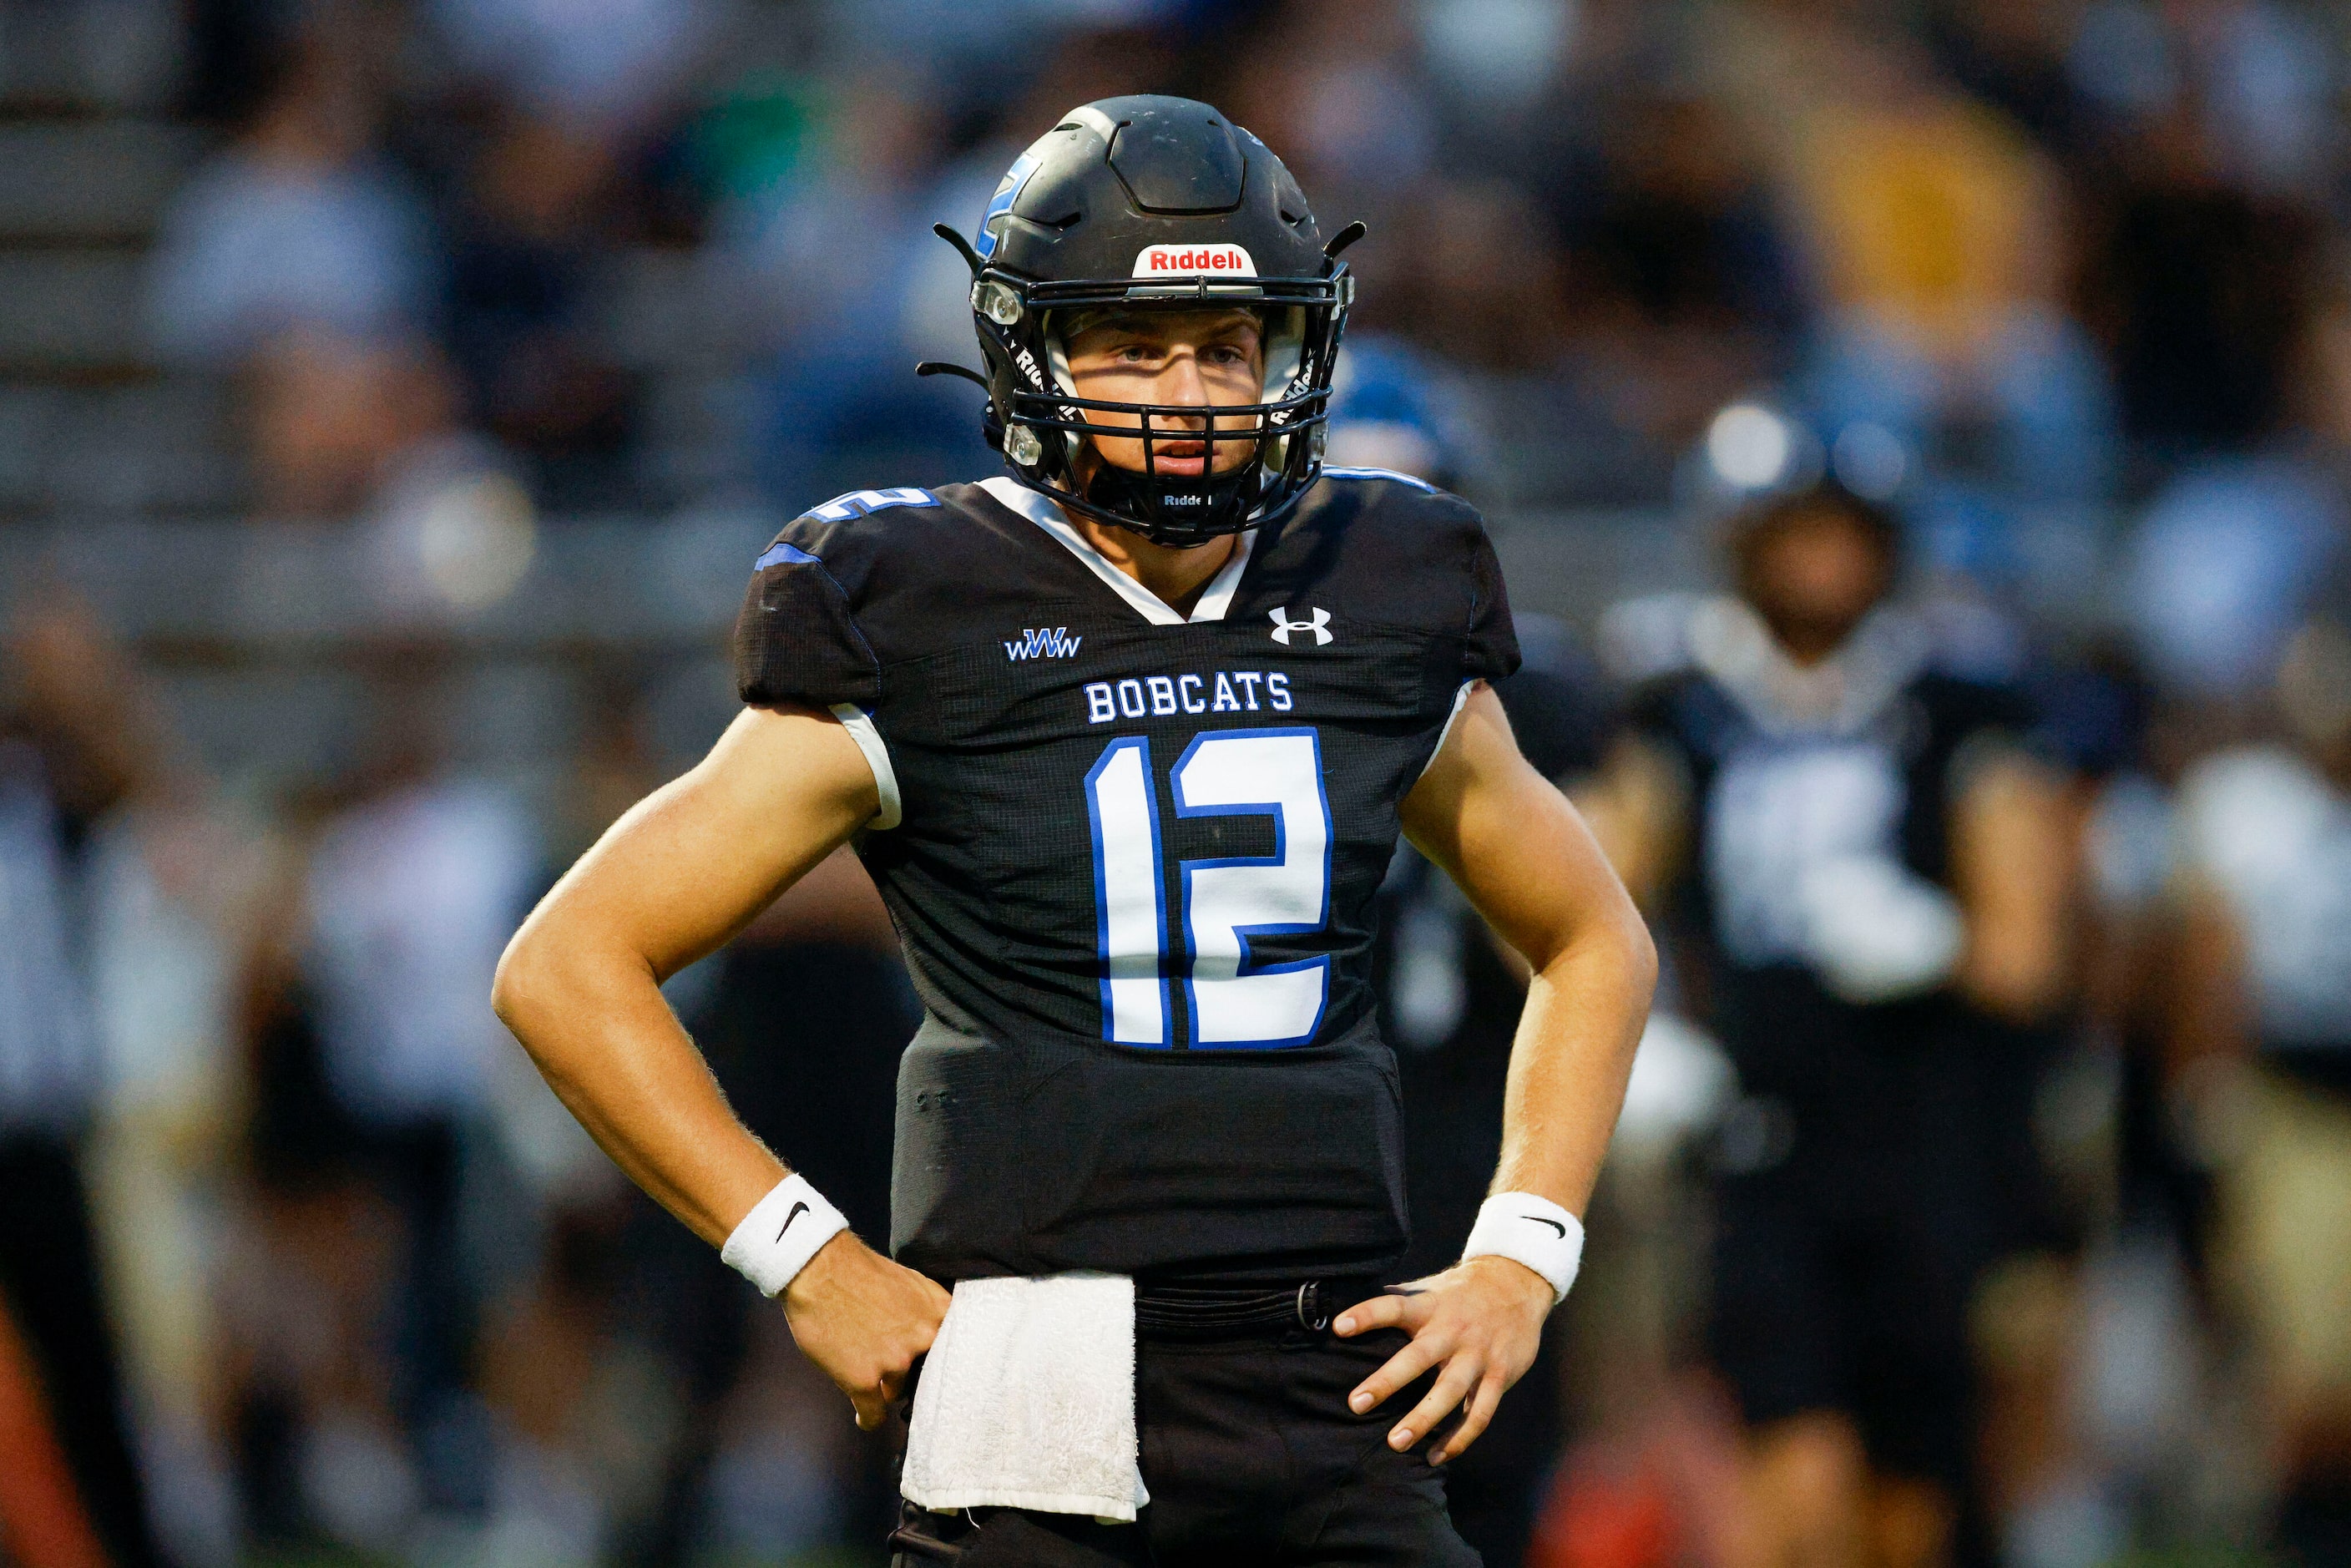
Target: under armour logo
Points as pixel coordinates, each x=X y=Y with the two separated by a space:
x=1318 y=623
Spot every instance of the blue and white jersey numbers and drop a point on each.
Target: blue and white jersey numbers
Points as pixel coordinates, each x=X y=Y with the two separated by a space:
x=1278 y=773
x=865 y=503
x=1779 y=811
x=1233 y=1003
x=1130 y=920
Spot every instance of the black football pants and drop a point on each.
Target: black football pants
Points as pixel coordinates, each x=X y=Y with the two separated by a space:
x=1253 y=1460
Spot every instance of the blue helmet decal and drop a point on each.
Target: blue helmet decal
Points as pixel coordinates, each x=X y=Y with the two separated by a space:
x=1007 y=191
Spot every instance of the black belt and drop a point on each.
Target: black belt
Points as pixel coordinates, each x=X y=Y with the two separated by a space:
x=1181 y=1312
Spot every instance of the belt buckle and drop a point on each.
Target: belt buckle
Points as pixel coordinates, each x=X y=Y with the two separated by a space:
x=1310 y=1304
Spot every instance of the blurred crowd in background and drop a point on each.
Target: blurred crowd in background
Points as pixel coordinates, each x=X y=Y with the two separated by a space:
x=393 y=396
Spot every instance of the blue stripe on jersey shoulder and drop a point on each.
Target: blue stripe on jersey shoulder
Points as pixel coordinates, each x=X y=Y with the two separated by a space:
x=1415 y=482
x=780 y=554
x=865 y=503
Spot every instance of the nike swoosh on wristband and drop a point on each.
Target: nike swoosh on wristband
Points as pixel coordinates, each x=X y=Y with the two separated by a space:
x=1536 y=1219
x=800 y=1208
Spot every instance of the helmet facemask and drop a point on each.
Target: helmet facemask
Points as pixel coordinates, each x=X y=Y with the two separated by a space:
x=1180 y=509
x=1044 y=426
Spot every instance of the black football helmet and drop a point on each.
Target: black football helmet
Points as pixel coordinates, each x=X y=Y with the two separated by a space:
x=1162 y=203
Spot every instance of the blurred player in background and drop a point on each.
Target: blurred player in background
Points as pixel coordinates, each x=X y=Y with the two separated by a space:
x=1864 y=866
x=2261 y=1056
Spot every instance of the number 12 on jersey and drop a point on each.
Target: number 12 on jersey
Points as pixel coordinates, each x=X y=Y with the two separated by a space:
x=1233 y=1005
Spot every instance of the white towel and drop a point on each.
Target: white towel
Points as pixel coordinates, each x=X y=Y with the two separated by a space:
x=1027 y=1400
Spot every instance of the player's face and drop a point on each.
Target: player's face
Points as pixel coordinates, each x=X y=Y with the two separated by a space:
x=1186 y=359
x=1813 y=575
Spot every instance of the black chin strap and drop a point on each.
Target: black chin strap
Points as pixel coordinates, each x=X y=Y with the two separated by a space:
x=1140 y=501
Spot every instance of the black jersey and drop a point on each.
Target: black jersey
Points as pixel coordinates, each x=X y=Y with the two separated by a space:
x=1132 y=857
x=1777 y=793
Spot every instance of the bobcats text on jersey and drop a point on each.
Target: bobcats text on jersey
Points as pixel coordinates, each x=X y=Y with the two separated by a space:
x=1162 y=696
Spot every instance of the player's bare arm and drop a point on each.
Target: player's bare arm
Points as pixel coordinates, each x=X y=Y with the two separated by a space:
x=580 y=986
x=1520 y=852
x=2011 y=871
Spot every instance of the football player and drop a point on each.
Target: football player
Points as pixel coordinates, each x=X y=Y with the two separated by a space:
x=1866 y=860
x=1125 y=736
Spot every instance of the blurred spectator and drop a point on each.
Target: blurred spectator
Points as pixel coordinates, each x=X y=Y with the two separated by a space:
x=69 y=753
x=583 y=1410
x=1472 y=275
x=2269 y=80
x=774 y=1489
x=1391 y=408
x=2013 y=53
x=1469 y=278
x=600 y=69
x=171 y=876
x=2232 y=549
x=346 y=427
x=1934 y=231
x=841 y=271
x=1681 y=284
x=1494 y=60
x=2198 y=289
x=380 y=1061
x=298 y=221
x=329 y=415
x=2254 y=78
x=2261 y=1052
x=2223 y=565
x=522 y=247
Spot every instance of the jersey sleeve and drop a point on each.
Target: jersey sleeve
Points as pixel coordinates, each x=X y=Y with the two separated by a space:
x=1491 y=649
x=797 y=640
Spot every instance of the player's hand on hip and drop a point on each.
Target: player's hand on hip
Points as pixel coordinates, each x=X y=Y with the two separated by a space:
x=864 y=1319
x=1479 y=1323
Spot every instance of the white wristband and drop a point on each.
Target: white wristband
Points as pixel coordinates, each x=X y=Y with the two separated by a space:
x=1531 y=1230
x=781 y=1233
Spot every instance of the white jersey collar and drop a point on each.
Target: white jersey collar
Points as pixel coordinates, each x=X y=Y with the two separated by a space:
x=1839 y=695
x=1039 y=509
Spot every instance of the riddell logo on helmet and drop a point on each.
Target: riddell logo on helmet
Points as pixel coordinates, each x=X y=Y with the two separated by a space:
x=1192 y=260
